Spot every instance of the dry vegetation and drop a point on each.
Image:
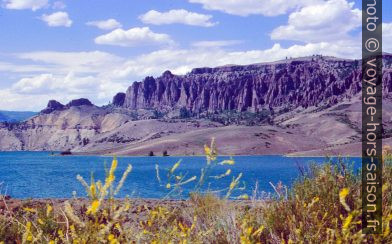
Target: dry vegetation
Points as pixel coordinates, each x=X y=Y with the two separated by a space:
x=324 y=206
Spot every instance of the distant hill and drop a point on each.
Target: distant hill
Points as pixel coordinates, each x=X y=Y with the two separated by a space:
x=14 y=116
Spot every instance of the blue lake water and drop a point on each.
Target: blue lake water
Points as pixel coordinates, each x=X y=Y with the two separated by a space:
x=40 y=175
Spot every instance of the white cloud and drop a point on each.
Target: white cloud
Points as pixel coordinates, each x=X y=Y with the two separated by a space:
x=99 y=75
x=25 y=4
x=259 y=7
x=108 y=24
x=177 y=16
x=387 y=37
x=133 y=37
x=84 y=62
x=35 y=85
x=59 y=5
x=326 y=21
x=181 y=61
x=21 y=68
x=49 y=83
x=61 y=87
x=57 y=19
x=62 y=76
x=22 y=102
x=216 y=44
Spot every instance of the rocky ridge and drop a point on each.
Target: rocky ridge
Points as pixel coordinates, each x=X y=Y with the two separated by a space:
x=177 y=113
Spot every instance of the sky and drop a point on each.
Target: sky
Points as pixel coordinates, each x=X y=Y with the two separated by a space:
x=69 y=49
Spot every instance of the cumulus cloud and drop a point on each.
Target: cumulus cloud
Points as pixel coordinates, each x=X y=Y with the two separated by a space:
x=99 y=75
x=259 y=7
x=326 y=21
x=49 y=83
x=83 y=62
x=387 y=37
x=177 y=16
x=181 y=61
x=25 y=4
x=63 y=88
x=108 y=24
x=133 y=37
x=59 y=5
x=57 y=19
x=216 y=44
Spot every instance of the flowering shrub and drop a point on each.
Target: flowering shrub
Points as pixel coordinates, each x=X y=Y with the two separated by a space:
x=324 y=206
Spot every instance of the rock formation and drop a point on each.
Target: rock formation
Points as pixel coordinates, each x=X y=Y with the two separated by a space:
x=302 y=82
x=179 y=113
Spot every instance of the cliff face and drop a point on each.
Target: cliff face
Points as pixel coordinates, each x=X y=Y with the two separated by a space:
x=128 y=127
x=291 y=83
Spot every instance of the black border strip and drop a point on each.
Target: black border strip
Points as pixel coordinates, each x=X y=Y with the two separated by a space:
x=372 y=67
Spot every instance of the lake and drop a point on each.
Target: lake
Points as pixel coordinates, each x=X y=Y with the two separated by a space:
x=40 y=175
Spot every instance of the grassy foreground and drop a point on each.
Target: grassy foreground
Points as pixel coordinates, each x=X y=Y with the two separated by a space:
x=324 y=206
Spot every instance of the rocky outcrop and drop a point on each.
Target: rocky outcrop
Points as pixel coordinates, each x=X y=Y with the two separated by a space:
x=292 y=83
x=158 y=114
x=53 y=105
x=79 y=102
x=119 y=99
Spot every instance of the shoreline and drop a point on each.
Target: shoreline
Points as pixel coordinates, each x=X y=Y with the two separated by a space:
x=288 y=155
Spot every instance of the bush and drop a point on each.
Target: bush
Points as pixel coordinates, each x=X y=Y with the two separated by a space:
x=322 y=207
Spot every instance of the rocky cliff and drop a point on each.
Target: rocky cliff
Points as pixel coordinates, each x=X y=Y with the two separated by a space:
x=302 y=82
x=148 y=117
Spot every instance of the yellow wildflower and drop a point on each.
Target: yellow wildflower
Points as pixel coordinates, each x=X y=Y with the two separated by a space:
x=227 y=173
x=232 y=185
x=93 y=191
x=94 y=207
x=114 y=165
x=244 y=197
x=112 y=239
x=30 y=210
x=40 y=221
x=175 y=166
x=28 y=226
x=347 y=222
x=249 y=230
x=387 y=227
x=207 y=150
x=48 y=209
x=258 y=231
x=227 y=162
x=29 y=237
x=344 y=192
x=118 y=226
x=51 y=242
x=342 y=197
x=210 y=152
x=110 y=179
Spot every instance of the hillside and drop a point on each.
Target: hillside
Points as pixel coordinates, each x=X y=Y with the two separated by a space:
x=304 y=106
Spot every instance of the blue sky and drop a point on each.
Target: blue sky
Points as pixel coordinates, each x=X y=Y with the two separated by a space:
x=69 y=49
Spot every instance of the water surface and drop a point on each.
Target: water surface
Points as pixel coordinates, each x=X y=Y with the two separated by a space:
x=40 y=175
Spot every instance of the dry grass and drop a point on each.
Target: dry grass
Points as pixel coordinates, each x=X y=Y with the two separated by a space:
x=322 y=207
